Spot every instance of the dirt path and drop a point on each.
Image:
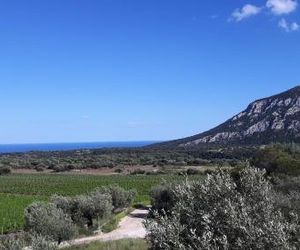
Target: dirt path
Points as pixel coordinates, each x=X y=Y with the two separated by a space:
x=130 y=227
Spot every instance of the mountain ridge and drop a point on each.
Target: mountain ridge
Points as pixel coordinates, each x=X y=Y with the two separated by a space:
x=266 y=120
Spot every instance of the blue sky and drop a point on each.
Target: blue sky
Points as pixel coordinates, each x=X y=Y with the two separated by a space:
x=115 y=70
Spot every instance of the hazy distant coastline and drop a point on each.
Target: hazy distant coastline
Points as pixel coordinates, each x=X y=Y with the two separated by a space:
x=21 y=148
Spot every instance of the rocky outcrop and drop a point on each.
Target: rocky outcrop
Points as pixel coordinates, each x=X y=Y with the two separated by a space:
x=271 y=119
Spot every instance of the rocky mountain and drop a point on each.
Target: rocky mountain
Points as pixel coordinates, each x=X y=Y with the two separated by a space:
x=271 y=119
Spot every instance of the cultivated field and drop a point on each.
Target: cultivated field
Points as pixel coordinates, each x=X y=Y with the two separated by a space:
x=19 y=190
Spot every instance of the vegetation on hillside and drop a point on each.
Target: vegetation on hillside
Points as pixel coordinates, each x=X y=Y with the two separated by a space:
x=279 y=159
x=82 y=159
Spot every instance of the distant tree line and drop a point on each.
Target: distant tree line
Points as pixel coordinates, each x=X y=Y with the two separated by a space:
x=82 y=159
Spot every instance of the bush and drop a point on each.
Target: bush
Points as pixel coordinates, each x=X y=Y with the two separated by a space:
x=277 y=159
x=121 y=198
x=192 y=171
x=12 y=243
x=49 y=221
x=138 y=172
x=119 y=170
x=63 y=167
x=39 y=242
x=287 y=194
x=95 y=206
x=84 y=209
x=223 y=214
x=64 y=203
x=162 y=198
x=5 y=170
x=40 y=168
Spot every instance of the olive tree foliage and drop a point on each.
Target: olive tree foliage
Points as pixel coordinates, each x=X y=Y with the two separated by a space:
x=88 y=208
x=223 y=213
x=162 y=198
x=50 y=221
x=84 y=209
x=12 y=243
x=39 y=242
x=121 y=198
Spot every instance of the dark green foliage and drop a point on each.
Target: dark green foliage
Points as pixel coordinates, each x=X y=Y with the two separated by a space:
x=5 y=170
x=287 y=193
x=278 y=159
x=163 y=198
x=192 y=171
x=138 y=172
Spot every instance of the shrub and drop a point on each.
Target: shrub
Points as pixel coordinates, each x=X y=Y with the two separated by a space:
x=5 y=170
x=39 y=242
x=49 y=221
x=40 y=168
x=138 y=172
x=84 y=209
x=12 y=243
x=119 y=170
x=287 y=194
x=63 y=167
x=62 y=202
x=192 y=171
x=277 y=159
x=98 y=204
x=121 y=198
x=162 y=198
x=223 y=214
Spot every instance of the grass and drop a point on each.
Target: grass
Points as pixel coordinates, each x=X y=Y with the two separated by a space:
x=114 y=245
x=19 y=190
x=12 y=209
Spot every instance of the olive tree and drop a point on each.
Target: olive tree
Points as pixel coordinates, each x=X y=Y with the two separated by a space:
x=50 y=221
x=88 y=208
x=84 y=209
x=98 y=204
x=223 y=213
x=162 y=198
x=120 y=197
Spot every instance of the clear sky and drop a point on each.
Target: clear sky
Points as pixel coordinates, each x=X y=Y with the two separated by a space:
x=115 y=70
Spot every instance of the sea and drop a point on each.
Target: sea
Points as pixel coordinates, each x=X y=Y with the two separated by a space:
x=21 y=148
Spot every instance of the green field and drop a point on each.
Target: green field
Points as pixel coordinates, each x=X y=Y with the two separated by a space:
x=19 y=190
x=11 y=210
